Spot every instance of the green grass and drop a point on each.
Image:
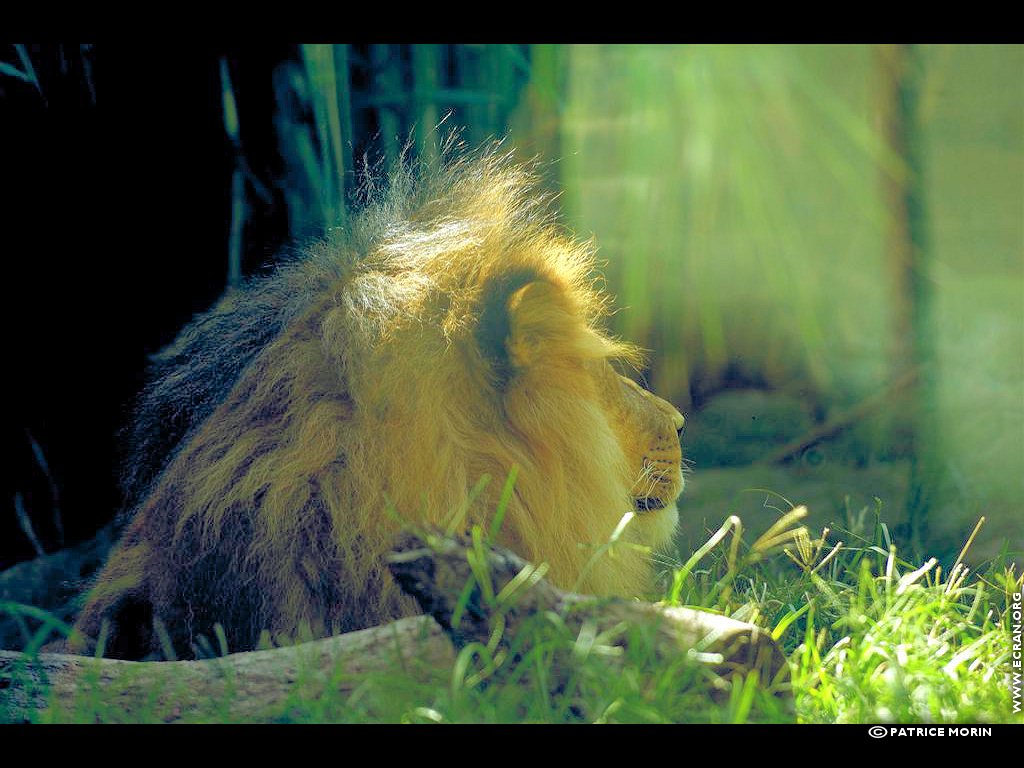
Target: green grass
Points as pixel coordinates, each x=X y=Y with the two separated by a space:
x=883 y=639
x=871 y=637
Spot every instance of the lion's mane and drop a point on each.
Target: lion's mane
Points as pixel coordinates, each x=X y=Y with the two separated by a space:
x=439 y=336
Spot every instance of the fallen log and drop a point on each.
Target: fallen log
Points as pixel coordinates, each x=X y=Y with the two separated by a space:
x=436 y=570
x=473 y=594
x=241 y=687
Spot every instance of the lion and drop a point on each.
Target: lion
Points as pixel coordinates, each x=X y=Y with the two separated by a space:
x=451 y=331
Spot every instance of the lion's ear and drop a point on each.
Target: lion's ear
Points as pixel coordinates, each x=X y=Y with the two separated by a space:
x=525 y=320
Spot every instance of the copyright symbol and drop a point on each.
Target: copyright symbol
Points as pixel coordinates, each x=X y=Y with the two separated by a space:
x=877 y=731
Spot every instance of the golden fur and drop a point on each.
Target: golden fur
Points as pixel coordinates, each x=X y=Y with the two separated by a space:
x=451 y=332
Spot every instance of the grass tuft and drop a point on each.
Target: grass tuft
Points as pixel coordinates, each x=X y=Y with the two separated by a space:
x=870 y=636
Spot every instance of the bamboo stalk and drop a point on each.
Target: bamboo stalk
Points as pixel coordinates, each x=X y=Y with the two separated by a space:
x=238 y=207
x=343 y=105
x=387 y=80
x=908 y=259
x=425 y=61
x=319 y=62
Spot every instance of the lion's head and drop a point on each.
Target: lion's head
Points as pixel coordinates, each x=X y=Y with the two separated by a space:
x=452 y=332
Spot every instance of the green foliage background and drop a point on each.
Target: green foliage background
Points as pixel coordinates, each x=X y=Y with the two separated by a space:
x=736 y=193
